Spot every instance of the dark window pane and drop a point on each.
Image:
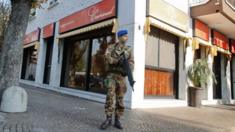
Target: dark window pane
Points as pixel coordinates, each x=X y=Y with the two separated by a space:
x=167 y=51
x=152 y=49
x=29 y=63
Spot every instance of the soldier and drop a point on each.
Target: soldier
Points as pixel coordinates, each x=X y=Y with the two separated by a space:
x=115 y=79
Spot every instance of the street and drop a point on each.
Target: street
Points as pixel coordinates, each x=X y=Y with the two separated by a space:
x=49 y=111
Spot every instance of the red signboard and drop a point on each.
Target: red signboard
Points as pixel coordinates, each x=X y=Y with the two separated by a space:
x=32 y=37
x=220 y=40
x=233 y=46
x=100 y=11
x=48 y=31
x=201 y=30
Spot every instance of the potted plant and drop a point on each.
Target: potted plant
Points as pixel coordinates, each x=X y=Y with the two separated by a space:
x=199 y=73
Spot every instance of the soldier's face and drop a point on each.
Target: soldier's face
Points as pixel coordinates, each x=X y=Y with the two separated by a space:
x=123 y=38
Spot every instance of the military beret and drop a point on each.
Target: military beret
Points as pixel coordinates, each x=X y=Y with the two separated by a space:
x=122 y=32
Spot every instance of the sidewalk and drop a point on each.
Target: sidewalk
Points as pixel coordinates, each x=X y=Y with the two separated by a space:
x=53 y=112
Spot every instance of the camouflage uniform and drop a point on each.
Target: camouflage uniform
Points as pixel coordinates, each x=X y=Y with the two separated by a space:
x=115 y=80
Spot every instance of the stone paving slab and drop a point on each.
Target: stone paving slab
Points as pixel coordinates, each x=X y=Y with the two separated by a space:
x=49 y=111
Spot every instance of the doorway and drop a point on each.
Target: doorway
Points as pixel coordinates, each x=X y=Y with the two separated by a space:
x=217 y=91
x=49 y=51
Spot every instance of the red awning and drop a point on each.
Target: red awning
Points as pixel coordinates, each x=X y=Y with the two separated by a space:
x=220 y=40
x=48 y=31
x=101 y=11
x=32 y=37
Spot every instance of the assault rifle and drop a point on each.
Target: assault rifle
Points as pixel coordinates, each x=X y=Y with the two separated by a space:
x=127 y=68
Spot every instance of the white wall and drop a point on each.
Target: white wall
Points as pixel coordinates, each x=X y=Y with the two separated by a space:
x=183 y=67
x=139 y=52
x=180 y=4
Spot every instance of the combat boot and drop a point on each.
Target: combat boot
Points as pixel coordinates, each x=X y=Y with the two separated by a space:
x=117 y=123
x=106 y=123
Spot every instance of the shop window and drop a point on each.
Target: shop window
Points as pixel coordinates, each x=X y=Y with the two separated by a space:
x=160 y=63
x=97 y=74
x=76 y=57
x=159 y=47
x=83 y=60
x=48 y=60
x=29 y=64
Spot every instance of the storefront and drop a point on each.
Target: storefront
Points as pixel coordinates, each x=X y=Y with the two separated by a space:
x=201 y=48
x=85 y=41
x=161 y=64
x=48 y=39
x=30 y=55
x=220 y=64
x=220 y=17
x=214 y=46
x=165 y=33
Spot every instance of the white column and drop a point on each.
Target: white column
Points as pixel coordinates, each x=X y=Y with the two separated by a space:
x=226 y=81
x=184 y=57
x=57 y=56
x=183 y=92
x=183 y=67
x=41 y=60
x=210 y=85
x=139 y=52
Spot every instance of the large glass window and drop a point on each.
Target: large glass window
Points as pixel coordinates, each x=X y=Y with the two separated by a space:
x=76 y=64
x=48 y=60
x=97 y=74
x=161 y=64
x=160 y=45
x=83 y=60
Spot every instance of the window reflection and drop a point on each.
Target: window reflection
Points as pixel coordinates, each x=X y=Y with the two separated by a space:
x=76 y=73
x=97 y=74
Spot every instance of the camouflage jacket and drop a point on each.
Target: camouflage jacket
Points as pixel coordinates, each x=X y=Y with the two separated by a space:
x=113 y=55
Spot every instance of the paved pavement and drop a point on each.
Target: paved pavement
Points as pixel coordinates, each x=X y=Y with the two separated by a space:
x=53 y=112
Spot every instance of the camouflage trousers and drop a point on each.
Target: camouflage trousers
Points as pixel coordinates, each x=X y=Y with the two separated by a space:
x=116 y=89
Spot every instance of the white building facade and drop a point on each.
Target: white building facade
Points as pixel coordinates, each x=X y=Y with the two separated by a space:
x=65 y=42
